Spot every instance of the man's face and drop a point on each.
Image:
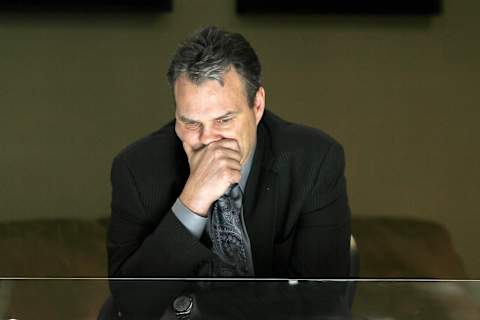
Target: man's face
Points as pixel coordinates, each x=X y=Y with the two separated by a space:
x=208 y=112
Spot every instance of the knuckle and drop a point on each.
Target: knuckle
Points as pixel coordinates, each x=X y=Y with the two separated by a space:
x=217 y=153
x=225 y=173
x=211 y=146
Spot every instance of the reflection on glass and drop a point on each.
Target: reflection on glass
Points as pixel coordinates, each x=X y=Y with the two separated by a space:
x=246 y=299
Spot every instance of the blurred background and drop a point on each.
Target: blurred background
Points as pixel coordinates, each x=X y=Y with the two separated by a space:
x=400 y=92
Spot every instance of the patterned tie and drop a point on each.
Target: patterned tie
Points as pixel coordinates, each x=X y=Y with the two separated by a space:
x=230 y=242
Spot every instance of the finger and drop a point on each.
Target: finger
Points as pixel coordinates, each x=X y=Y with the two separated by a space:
x=233 y=164
x=221 y=153
x=231 y=175
x=235 y=177
x=226 y=164
x=234 y=155
x=227 y=143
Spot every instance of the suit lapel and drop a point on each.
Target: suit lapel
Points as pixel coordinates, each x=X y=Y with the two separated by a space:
x=260 y=204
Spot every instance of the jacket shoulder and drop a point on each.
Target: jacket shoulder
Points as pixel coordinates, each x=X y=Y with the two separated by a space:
x=161 y=145
x=154 y=166
x=295 y=139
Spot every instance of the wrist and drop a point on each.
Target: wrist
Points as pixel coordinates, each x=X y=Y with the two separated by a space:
x=198 y=207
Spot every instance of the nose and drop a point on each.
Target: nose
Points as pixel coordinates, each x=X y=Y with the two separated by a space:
x=209 y=135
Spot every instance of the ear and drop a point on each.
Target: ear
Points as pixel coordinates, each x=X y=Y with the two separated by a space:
x=259 y=104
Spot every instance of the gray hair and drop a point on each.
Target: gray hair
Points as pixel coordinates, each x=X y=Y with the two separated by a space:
x=209 y=53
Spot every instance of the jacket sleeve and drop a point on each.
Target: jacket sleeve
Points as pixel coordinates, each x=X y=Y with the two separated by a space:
x=139 y=247
x=321 y=245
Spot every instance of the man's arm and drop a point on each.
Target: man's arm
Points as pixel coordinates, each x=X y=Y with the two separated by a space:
x=138 y=249
x=321 y=246
x=193 y=222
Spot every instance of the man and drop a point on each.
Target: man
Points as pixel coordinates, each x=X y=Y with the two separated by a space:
x=173 y=190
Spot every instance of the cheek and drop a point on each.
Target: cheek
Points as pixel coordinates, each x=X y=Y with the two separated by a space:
x=243 y=136
x=179 y=132
x=183 y=134
x=235 y=133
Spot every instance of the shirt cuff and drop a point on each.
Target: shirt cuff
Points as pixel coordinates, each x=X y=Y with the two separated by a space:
x=192 y=221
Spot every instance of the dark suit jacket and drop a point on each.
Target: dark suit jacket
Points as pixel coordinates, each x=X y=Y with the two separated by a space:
x=295 y=206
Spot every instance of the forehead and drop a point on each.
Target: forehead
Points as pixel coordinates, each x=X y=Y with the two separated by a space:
x=209 y=97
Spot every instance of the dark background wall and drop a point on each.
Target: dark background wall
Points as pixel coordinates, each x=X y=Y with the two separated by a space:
x=400 y=93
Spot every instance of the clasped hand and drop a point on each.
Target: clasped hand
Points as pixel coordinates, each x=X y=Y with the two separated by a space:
x=213 y=169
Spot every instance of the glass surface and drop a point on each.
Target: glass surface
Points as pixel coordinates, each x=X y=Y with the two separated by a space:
x=242 y=299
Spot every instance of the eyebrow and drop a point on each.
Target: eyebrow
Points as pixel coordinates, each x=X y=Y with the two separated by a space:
x=185 y=119
x=188 y=120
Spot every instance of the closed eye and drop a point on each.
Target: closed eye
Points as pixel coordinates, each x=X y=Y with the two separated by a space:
x=224 y=121
x=192 y=125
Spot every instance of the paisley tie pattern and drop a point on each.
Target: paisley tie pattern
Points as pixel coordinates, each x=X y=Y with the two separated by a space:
x=230 y=242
